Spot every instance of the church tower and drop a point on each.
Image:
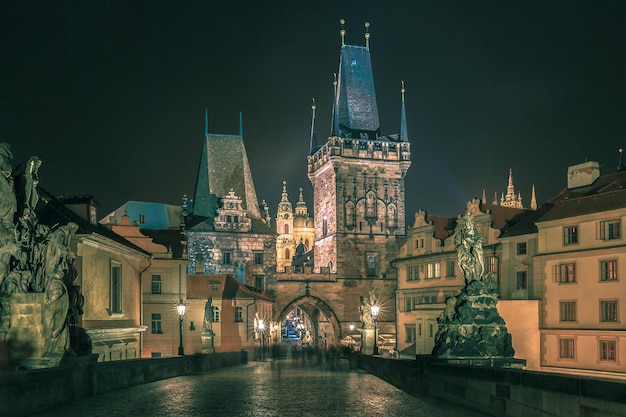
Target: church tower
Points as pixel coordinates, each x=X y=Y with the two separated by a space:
x=358 y=177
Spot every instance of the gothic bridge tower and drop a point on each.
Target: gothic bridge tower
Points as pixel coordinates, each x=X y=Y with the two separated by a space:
x=359 y=210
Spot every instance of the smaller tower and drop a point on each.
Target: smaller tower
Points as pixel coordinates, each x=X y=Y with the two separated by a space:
x=510 y=199
x=533 y=199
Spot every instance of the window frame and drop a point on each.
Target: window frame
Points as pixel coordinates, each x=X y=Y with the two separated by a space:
x=563 y=271
x=258 y=257
x=410 y=331
x=607 y=350
x=609 y=229
x=568 y=315
x=521 y=277
x=522 y=248
x=115 y=288
x=569 y=347
x=216 y=314
x=570 y=235
x=608 y=273
x=157 y=323
x=609 y=311
x=238 y=314
x=227 y=257
x=156 y=285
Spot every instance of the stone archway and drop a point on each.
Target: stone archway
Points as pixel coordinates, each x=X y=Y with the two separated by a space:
x=311 y=305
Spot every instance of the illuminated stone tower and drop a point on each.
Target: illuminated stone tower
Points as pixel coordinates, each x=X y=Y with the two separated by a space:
x=358 y=177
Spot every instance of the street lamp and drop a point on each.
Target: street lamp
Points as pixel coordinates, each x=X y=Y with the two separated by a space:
x=351 y=337
x=375 y=311
x=181 y=314
x=260 y=329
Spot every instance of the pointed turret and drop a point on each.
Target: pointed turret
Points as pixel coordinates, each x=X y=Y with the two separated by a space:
x=511 y=199
x=334 y=126
x=620 y=164
x=533 y=199
x=484 y=197
x=301 y=208
x=285 y=205
x=404 y=136
x=495 y=198
x=313 y=134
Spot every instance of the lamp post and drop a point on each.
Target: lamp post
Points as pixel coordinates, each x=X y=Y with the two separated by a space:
x=351 y=337
x=181 y=314
x=260 y=329
x=375 y=311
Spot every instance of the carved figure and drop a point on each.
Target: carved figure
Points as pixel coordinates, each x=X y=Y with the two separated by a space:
x=26 y=187
x=469 y=247
x=208 y=316
x=8 y=203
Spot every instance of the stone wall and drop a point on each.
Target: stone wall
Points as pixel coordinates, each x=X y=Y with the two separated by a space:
x=503 y=392
x=23 y=393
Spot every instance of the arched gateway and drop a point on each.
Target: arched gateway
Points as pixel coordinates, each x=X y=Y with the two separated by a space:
x=324 y=328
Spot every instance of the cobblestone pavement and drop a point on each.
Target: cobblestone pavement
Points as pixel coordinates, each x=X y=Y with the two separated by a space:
x=279 y=388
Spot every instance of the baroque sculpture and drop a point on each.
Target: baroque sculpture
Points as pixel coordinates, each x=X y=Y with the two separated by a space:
x=470 y=325
x=34 y=259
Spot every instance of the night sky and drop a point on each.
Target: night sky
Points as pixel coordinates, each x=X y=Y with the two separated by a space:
x=111 y=94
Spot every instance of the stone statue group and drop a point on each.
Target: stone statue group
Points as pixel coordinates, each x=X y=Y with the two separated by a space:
x=34 y=257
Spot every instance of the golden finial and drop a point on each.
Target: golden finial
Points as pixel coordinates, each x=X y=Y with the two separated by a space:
x=335 y=79
x=402 y=90
x=313 y=105
x=342 y=32
x=367 y=35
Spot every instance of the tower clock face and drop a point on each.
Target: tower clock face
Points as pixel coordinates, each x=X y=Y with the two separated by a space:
x=285 y=216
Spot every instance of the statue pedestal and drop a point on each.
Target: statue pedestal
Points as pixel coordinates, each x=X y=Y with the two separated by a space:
x=26 y=331
x=207 y=338
x=367 y=341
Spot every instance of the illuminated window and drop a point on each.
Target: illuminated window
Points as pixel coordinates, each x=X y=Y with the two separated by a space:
x=565 y=273
x=410 y=333
x=433 y=270
x=608 y=350
x=116 y=288
x=156 y=323
x=568 y=310
x=570 y=235
x=522 y=280
x=609 y=229
x=566 y=348
x=608 y=270
x=156 y=284
x=608 y=310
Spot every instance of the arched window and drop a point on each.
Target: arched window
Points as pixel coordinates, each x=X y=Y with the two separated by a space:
x=199 y=264
x=215 y=318
x=286 y=227
x=238 y=314
x=287 y=254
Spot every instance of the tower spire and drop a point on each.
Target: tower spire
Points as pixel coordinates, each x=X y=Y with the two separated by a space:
x=334 y=128
x=404 y=136
x=533 y=199
x=241 y=124
x=206 y=122
x=313 y=135
x=367 y=35
x=484 y=197
x=342 y=32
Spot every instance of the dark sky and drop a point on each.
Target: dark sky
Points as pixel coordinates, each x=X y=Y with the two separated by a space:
x=111 y=94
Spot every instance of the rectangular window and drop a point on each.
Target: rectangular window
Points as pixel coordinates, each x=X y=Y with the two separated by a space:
x=116 y=288
x=239 y=314
x=215 y=314
x=609 y=229
x=227 y=257
x=570 y=235
x=608 y=310
x=408 y=304
x=608 y=350
x=419 y=329
x=259 y=281
x=492 y=264
x=522 y=280
x=568 y=311
x=156 y=323
x=450 y=268
x=410 y=333
x=258 y=257
x=433 y=270
x=565 y=273
x=431 y=330
x=371 y=265
x=412 y=273
x=566 y=348
x=608 y=270
x=156 y=284
x=521 y=248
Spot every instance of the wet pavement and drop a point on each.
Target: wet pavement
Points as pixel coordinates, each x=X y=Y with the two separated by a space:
x=272 y=388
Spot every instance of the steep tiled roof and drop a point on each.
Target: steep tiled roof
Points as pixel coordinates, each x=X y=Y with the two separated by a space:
x=357 y=110
x=608 y=192
x=444 y=226
x=503 y=217
x=526 y=224
x=221 y=287
x=224 y=166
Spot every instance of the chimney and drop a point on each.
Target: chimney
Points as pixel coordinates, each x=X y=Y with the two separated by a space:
x=583 y=174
